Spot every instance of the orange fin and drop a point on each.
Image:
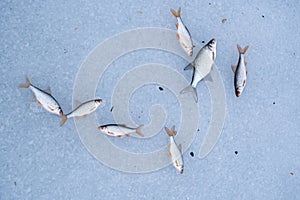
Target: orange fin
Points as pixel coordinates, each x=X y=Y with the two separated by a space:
x=169 y=154
x=39 y=103
x=245 y=63
x=246 y=72
x=63 y=121
x=170 y=133
x=184 y=45
x=178 y=36
x=110 y=133
x=127 y=134
x=27 y=84
x=242 y=51
x=119 y=136
x=176 y=26
x=176 y=14
x=138 y=130
x=233 y=68
x=84 y=116
x=50 y=108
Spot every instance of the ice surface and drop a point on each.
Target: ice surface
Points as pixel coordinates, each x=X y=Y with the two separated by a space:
x=257 y=155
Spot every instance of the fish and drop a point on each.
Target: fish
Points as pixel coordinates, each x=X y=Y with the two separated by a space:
x=183 y=34
x=119 y=130
x=201 y=66
x=240 y=72
x=82 y=110
x=44 y=98
x=175 y=152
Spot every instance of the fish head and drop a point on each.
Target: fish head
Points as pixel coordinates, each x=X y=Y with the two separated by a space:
x=238 y=91
x=212 y=44
x=102 y=129
x=98 y=101
x=180 y=169
x=60 y=112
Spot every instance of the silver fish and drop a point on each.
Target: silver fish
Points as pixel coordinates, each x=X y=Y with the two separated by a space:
x=118 y=130
x=183 y=34
x=82 y=110
x=44 y=98
x=175 y=151
x=202 y=66
x=240 y=72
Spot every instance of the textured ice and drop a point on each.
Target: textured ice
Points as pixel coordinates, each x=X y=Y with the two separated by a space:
x=49 y=40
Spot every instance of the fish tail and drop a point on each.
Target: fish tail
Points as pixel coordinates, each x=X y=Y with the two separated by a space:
x=27 y=84
x=138 y=130
x=191 y=89
x=242 y=51
x=176 y=14
x=64 y=119
x=172 y=132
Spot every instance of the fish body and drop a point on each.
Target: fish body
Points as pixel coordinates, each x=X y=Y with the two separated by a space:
x=240 y=72
x=83 y=109
x=44 y=98
x=183 y=34
x=119 y=130
x=202 y=66
x=175 y=151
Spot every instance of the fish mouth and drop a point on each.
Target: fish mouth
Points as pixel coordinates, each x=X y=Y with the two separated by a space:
x=238 y=93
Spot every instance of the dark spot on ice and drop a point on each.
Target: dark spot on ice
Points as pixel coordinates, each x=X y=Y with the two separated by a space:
x=263 y=16
x=139 y=117
x=236 y=152
x=65 y=51
x=292 y=173
x=274 y=103
x=209 y=3
x=198 y=129
x=192 y=154
x=203 y=41
x=111 y=109
x=160 y=88
x=15 y=183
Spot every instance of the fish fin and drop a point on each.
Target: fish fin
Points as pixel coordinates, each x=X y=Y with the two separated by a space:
x=27 y=84
x=208 y=78
x=189 y=66
x=246 y=72
x=173 y=129
x=244 y=82
x=176 y=14
x=169 y=154
x=39 y=103
x=50 y=108
x=119 y=136
x=170 y=133
x=138 y=130
x=178 y=36
x=180 y=148
x=48 y=90
x=184 y=45
x=233 y=68
x=242 y=51
x=127 y=134
x=192 y=90
x=110 y=133
x=84 y=116
x=245 y=63
x=64 y=119
x=176 y=26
